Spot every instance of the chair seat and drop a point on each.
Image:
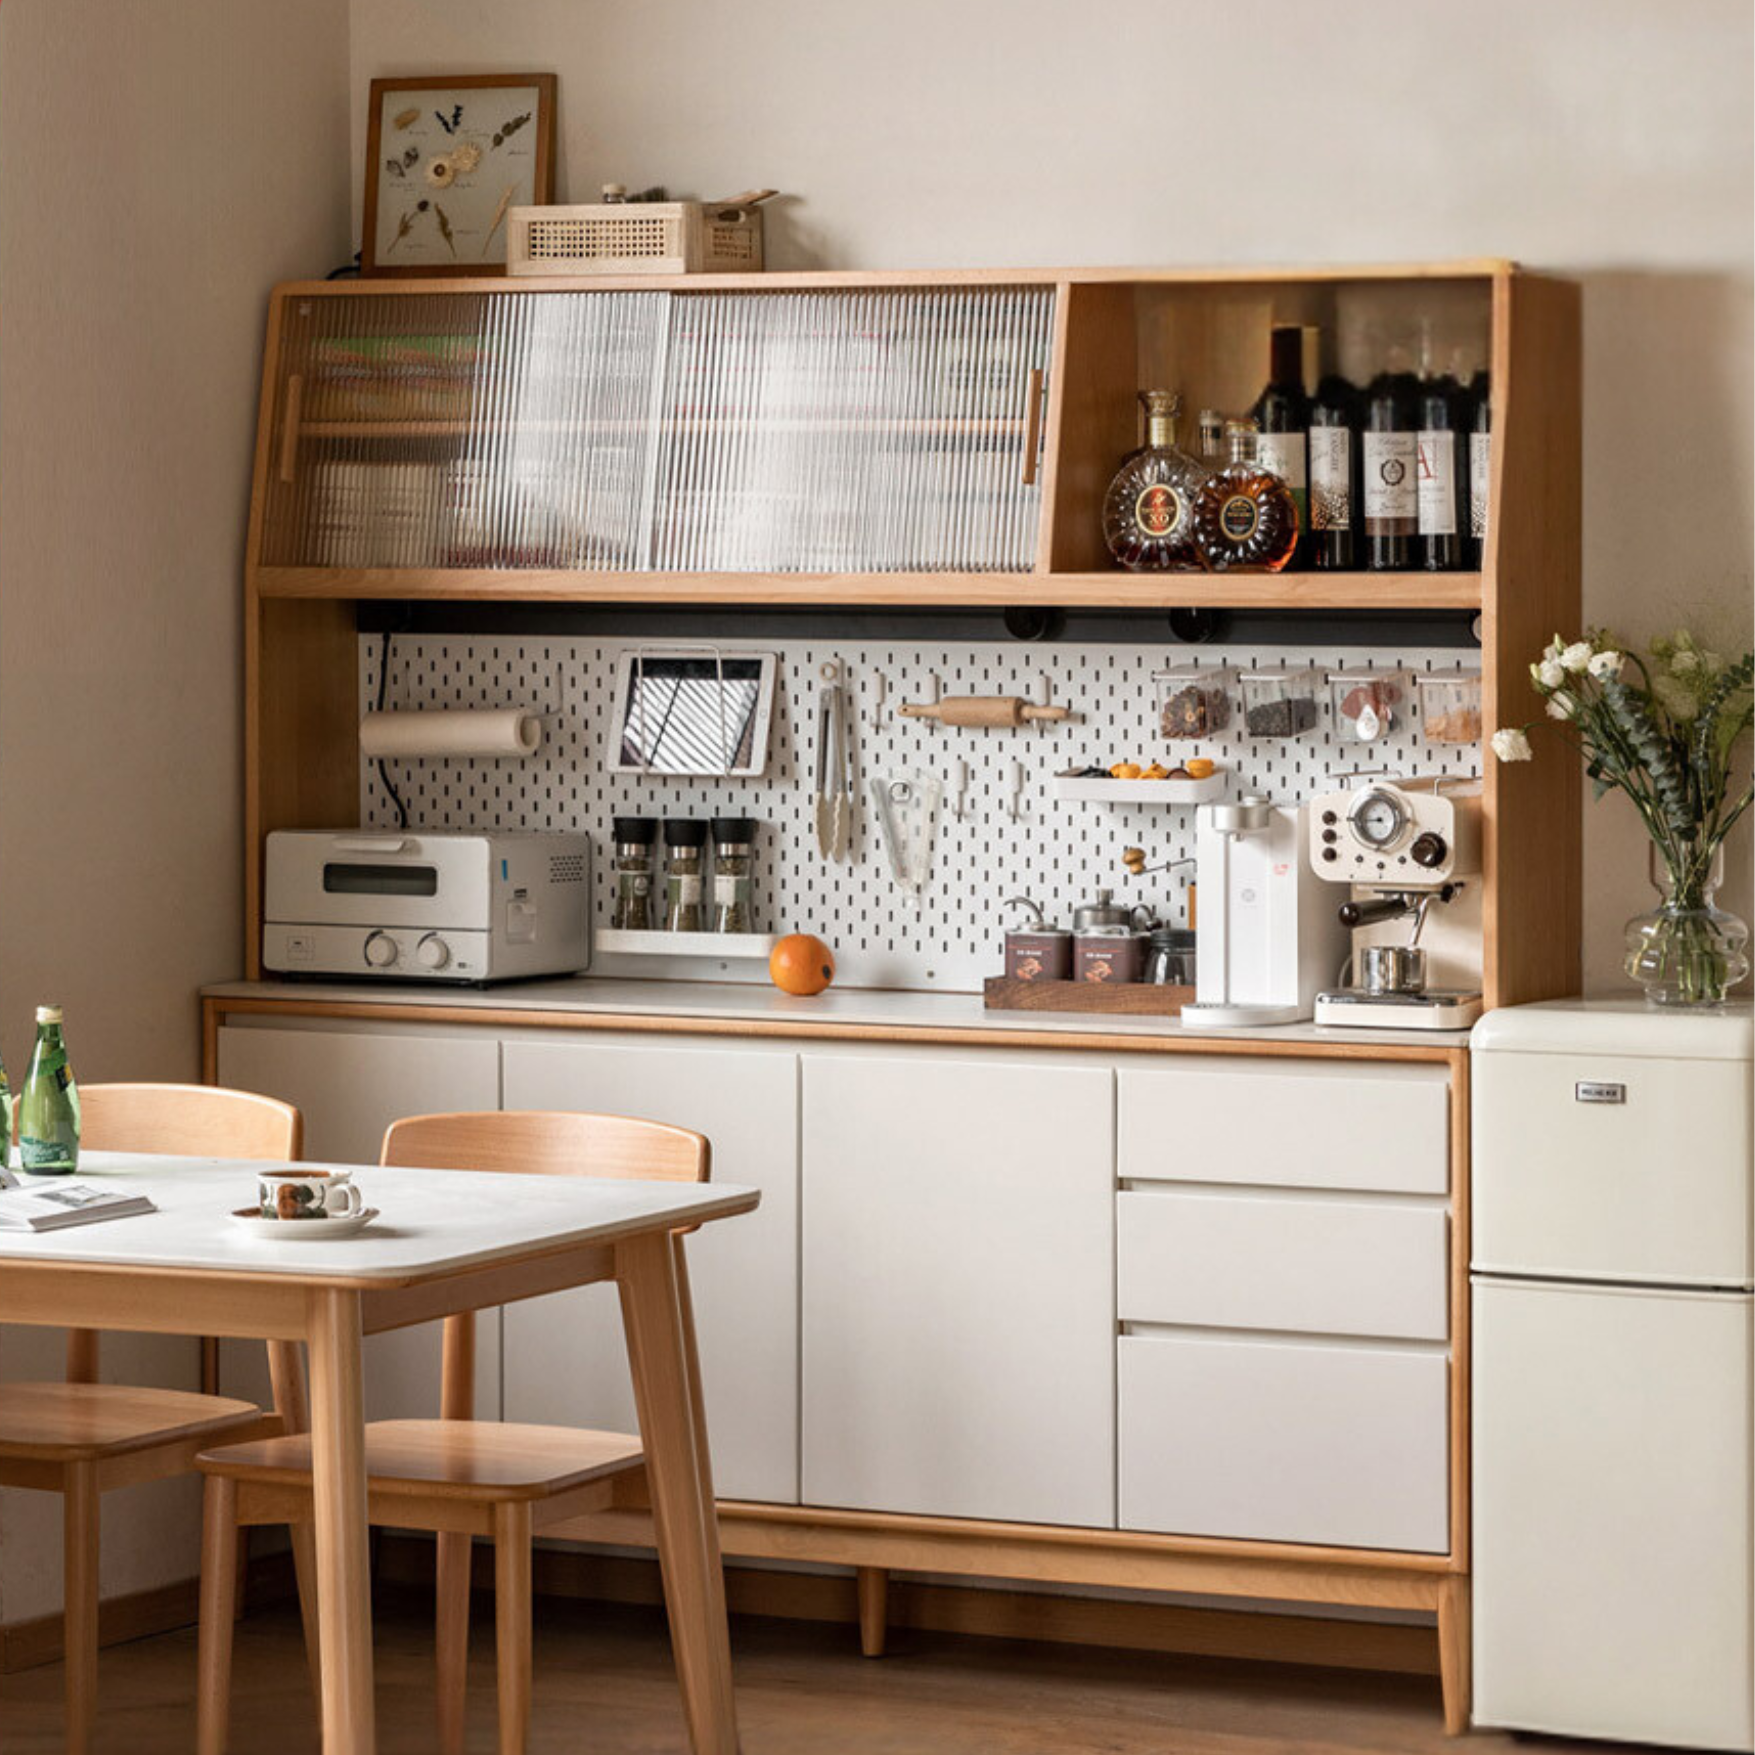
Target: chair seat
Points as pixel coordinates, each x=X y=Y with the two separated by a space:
x=482 y=1460
x=84 y=1422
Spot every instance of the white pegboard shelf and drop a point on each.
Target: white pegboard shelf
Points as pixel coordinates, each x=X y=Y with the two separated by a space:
x=738 y=946
x=1108 y=791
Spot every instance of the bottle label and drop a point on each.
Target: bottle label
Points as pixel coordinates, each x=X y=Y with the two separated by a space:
x=45 y=1154
x=1480 y=481
x=1159 y=511
x=1437 y=483
x=1390 y=460
x=1331 y=478
x=1239 y=517
x=1284 y=454
x=685 y=891
x=729 y=891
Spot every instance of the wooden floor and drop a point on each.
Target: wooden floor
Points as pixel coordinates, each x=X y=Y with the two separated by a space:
x=604 y=1683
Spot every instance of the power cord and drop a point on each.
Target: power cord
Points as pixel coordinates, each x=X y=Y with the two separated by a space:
x=383 y=772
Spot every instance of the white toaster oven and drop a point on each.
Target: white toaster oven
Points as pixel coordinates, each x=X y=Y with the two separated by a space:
x=415 y=906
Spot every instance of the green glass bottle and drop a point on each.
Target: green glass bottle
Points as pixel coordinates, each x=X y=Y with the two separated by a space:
x=48 y=1108
x=5 y=1120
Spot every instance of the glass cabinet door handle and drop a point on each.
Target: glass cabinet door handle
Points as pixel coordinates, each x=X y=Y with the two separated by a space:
x=289 y=431
x=1032 y=424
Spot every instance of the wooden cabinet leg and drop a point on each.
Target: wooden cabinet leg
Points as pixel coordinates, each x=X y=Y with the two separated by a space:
x=874 y=1609
x=79 y=1544
x=512 y=1623
x=338 y=1472
x=455 y=1552
x=1453 y=1652
x=684 y=1518
x=219 y=1585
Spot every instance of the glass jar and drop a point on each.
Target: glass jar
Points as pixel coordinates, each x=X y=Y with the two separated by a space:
x=733 y=874
x=1279 y=703
x=632 y=911
x=1194 y=700
x=1450 y=707
x=1368 y=704
x=684 y=910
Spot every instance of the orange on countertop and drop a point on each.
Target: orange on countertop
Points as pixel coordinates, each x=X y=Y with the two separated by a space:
x=801 y=964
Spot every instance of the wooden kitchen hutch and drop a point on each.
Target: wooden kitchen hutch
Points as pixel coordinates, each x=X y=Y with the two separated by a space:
x=947 y=442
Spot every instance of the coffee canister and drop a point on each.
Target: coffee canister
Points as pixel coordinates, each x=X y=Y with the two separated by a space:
x=1107 y=954
x=1039 y=953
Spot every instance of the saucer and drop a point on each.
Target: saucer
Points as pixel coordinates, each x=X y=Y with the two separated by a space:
x=250 y=1221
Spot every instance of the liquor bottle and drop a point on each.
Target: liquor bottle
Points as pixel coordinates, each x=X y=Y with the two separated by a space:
x=1441 y=490
x=1212 y=438
x=1245 y=519
x=1480 y=469
x=1146 y=518
x=1389 y=452
x=1282 y=414
x=48 y=1107
x=1335 y=422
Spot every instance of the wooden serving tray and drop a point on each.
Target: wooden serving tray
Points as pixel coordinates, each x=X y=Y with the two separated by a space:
x=1140 y=999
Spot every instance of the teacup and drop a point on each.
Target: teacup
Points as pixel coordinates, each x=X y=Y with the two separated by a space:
x=295 y=1193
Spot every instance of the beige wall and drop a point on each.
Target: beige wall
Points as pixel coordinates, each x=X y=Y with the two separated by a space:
x=162 y=163
x=1610 y=139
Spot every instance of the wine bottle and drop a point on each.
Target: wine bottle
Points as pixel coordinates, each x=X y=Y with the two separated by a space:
x=1480 y=468
x=1282 y=417
x=1389 y=450
x=1442 y=466
x=1334 y=473
x=48 y=1109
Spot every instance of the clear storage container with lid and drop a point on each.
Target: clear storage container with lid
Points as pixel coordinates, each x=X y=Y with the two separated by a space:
x=1369 y=704
x=1194 y=700
x=1279 y=703
x=1450 y=707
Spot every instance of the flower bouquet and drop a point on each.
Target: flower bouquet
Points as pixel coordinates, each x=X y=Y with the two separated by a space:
x=1664 y=729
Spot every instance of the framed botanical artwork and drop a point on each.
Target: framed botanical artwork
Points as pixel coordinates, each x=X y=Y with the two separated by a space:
x=446 y=159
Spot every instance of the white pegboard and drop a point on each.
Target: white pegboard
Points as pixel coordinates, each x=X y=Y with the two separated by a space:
x=1057 y=852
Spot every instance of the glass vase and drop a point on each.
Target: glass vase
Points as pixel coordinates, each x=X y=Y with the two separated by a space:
x=1687 y=951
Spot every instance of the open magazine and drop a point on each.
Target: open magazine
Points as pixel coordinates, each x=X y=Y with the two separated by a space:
x=40 y=1206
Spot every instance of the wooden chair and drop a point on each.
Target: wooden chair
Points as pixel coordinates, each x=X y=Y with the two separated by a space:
x=454 y=1476
x=82 y=1438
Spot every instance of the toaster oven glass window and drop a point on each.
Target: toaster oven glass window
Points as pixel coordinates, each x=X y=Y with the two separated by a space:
x=693 y=712
x=381 y=880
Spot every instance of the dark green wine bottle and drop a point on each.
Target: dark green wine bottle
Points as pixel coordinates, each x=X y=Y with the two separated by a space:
x=48 y=1108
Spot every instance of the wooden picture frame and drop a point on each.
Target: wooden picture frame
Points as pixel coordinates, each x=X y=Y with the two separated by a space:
x=446 y=158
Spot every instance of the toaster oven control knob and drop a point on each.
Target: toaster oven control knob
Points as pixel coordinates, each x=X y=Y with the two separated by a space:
x=1429 y=850
x=380 y=950
x=432 y=952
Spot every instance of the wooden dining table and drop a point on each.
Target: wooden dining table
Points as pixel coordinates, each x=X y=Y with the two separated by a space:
x=445 y=1241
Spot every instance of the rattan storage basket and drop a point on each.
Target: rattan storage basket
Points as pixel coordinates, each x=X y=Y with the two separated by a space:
x=637 y=237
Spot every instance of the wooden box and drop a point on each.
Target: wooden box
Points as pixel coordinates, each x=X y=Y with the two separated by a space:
x=635 y=237
x=1138 y=999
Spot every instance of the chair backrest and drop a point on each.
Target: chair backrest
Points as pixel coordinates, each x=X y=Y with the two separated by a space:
x=535 y=1142
x=196 y=1121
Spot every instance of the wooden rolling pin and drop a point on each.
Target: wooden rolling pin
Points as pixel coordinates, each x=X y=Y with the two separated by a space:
x=982 y=710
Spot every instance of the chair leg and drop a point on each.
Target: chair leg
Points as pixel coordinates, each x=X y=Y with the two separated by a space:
x=219 y=1590
x=304 y=1553
x=512 y=1623
x=79 y=1542
x=452 y=1641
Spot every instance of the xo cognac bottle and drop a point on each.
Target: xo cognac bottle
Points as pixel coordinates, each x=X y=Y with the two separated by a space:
x=1245 y=519
x=1148 y=515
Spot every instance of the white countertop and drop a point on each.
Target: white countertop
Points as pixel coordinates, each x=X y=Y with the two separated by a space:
x=850 y=1008
x=433 y=1221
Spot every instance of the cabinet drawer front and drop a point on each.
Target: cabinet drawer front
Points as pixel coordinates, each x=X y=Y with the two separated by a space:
x=1284 y=1441
x=1273 y=1261
x=1316 y=1126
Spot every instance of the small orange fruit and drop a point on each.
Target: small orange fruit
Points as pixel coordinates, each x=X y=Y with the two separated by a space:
x=801 y=964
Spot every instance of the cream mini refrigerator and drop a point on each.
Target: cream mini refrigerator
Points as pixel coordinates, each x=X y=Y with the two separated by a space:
x=1611 y=1418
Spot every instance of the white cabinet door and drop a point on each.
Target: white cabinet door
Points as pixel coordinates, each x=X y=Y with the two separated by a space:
x=350 y=1085
x=565 y=1360
x=1612 y=1513
x=959 y=1287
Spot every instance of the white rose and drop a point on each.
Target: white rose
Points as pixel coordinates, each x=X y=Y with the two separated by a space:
x=1576 y=656
x=1560 y=706
x=1606 y=666
x=1512 y=746
x=1550 y=673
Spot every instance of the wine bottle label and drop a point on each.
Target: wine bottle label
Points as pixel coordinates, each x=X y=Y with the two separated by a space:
x=1437 y=483
x=1238 y=517
x=1390 y=461
x=1283 y=453
x=1480 y=481
x=1159 y=511
x=1331 y=478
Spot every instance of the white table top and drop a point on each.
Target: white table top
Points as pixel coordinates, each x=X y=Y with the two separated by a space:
x=434 y=1221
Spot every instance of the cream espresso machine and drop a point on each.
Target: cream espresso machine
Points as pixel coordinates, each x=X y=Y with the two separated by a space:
x=1267 y=937
x=1409 y=854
